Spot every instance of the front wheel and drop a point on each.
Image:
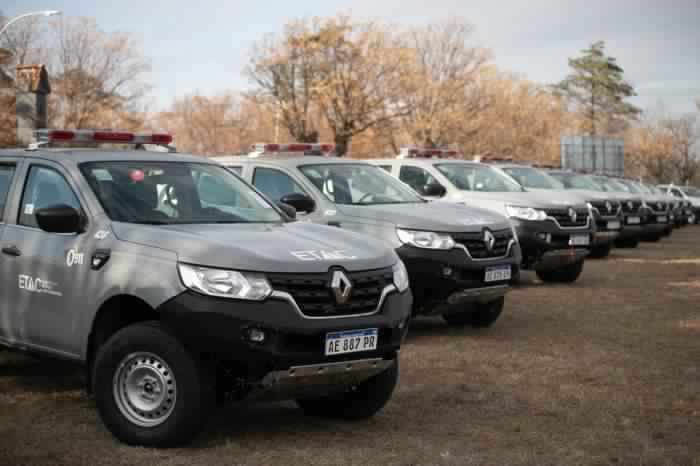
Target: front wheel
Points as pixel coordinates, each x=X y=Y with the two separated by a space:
x=149 y=390
x=482 y=315
x=357 y=402
x=627 y=243
x=567 y=274
x=601 y=252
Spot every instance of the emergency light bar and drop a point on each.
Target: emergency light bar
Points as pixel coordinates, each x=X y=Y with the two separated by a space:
x=48 y=136
x=415 y=153
x=261 y=148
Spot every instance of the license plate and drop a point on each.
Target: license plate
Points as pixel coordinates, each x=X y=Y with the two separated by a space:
x=662 y=219
x=579 y=240
x=497 y=274
x=614 y=225
x=634 y=220
x=351 y=341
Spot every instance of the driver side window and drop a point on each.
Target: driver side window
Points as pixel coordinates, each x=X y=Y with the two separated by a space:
x=45 y=187
x=275 y=184
x=677 y=193
x=416 y=177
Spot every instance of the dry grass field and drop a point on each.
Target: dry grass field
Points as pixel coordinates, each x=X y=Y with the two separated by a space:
x=606 y=371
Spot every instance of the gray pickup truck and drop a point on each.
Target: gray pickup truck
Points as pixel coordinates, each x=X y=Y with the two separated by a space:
x=175 y=283
x=554 y=229
x=607 y=209
x=461 y=261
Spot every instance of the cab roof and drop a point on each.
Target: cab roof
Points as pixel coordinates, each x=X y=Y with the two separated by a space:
x=82 y=155
x=287 y=161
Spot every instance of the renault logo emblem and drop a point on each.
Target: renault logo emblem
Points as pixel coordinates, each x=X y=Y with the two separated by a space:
x=630 y=205
x=608 y=206
x=660 y=206
x=341 y=286
x=572 y=215
x=489 y=240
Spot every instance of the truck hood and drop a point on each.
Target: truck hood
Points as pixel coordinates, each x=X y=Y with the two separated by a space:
x=297 y=247
x=538 y=199
x=429 y=216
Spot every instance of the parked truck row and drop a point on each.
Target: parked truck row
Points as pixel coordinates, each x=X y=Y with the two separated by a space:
x=179 y=282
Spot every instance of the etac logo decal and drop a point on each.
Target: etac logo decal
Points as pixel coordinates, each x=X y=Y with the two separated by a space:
x=322 y=255
x=37 y=285
x=74 y=258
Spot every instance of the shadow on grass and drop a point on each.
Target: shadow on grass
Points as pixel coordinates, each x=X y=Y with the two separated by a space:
x=40 y=375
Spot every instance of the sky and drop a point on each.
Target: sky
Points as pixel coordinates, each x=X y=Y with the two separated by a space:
x=203 y=46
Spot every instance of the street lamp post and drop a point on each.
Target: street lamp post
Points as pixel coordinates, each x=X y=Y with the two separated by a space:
x=34 y=13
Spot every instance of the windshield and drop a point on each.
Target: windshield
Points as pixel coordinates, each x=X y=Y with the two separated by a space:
x=175 y=192
x=470 y=177
x=631 y=187
x=574 y=181
x=610 y=185
x=359 y=184
x=695 y=192
x=533 y=178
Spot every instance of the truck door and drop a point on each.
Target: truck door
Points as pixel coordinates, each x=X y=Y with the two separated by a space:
x=48 y=270
x=7 y=172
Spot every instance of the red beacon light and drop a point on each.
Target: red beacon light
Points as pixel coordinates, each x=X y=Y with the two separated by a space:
x=424 y=153
x=48 y=136
x=261 y=149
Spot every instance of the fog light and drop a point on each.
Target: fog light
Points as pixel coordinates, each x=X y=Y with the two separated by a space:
x=255 y=335
x=447 y=271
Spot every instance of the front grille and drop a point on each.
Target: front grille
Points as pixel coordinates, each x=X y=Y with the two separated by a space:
x=315 y=298
x=658 y=207
x=631 y=207
x=476 y=245
x=563 y=217
x=602 y=207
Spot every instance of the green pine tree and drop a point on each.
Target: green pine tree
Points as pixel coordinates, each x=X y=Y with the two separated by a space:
x=598 y=90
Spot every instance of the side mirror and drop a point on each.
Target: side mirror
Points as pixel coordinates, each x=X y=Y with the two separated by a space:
x=288 y=210
x=59 y=218
x=434 y=190
x=301 y=202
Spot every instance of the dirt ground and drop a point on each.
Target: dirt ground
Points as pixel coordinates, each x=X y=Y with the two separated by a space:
x=602 y=372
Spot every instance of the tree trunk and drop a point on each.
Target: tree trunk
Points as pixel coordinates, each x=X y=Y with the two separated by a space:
x=342 y=143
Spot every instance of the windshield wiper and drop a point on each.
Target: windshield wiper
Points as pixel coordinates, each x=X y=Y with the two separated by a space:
x=154 y=222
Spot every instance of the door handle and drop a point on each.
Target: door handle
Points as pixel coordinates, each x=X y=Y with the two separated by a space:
x=334 y=224
x=11 y=251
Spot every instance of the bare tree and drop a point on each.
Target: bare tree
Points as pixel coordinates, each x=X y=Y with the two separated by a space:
x=96 y=75
x=25 y=40
x=685 y=135
x=285 y=70
x=444 y=90
x=363 y=66
x=348 y=71
x=210 y=125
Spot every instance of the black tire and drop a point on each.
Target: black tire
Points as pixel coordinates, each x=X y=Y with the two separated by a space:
x=192 y=394
x=357 y=402
x=567 y=274
x=652 y=238
x=601 y=252
x=479 y=315
x=627 y=243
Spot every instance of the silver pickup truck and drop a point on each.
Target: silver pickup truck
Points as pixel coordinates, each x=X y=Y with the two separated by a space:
x=175 y=283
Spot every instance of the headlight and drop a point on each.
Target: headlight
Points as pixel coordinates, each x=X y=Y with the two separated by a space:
x=425 y=239
x=400 y=276
x=225 y=283
x=525 y=213
x=515 y=233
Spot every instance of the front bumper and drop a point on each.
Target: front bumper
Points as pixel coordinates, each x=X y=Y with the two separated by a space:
x=545 y=246
x=220 y=329
x=439 y=277
x=605 y=235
